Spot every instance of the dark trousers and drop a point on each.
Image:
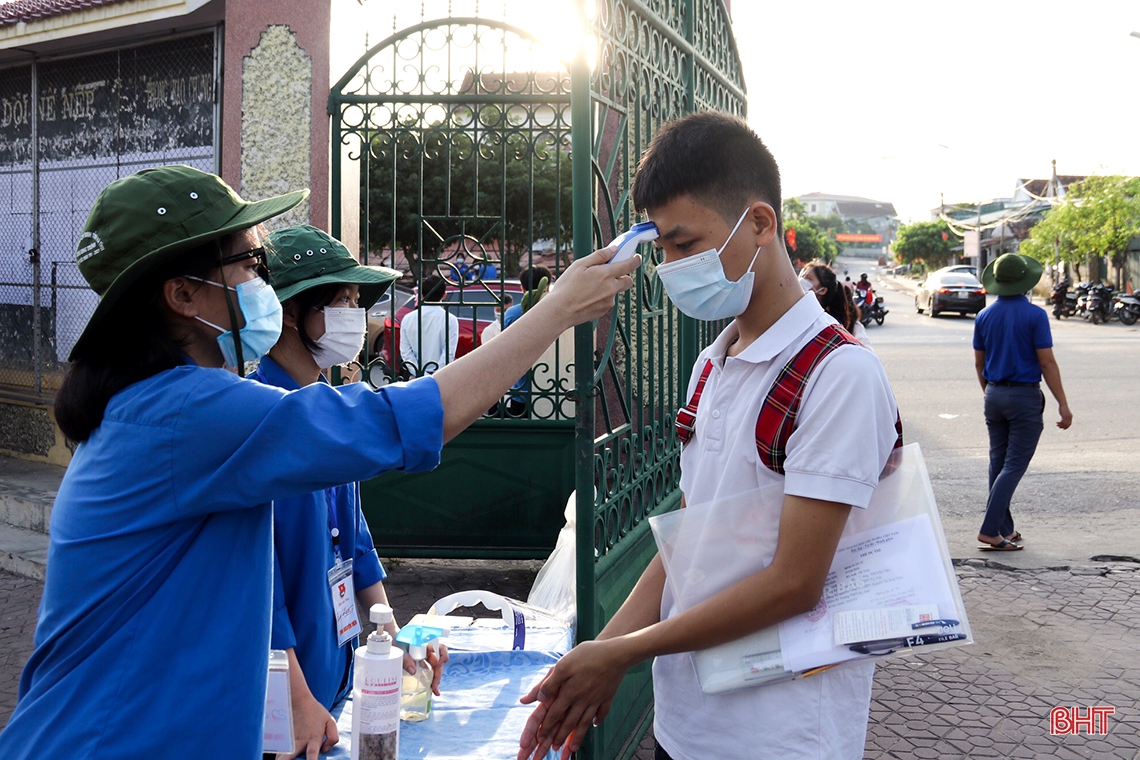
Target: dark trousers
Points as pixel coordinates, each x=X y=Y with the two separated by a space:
x=1014 y=421
x=658 y=753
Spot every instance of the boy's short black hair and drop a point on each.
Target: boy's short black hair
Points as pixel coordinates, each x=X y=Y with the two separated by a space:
x=433 y=288
x=714 y=157
x=532 y=276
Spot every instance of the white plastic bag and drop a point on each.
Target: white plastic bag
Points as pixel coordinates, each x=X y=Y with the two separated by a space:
x=521 y=626
x=555 y=588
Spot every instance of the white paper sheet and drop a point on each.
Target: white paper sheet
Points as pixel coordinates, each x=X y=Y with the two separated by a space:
x=884 y=567
x=852 y=626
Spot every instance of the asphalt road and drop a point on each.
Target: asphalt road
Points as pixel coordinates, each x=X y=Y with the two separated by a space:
x=1081 y=484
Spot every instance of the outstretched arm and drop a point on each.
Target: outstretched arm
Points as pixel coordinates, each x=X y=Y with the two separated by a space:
x=585 y=291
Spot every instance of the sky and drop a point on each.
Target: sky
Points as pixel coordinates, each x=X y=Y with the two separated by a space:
x=900 y=100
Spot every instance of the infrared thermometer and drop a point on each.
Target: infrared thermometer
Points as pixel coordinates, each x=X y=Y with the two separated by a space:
x=628 y=241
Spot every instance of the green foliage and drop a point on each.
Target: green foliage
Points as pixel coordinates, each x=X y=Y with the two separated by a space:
x=1099 y=217
x=926 y=243
x=833 y=223
x=812 y=240
x=513 y=186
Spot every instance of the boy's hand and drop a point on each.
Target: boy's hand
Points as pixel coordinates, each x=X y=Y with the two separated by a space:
x=575 y=694
x=586 y=290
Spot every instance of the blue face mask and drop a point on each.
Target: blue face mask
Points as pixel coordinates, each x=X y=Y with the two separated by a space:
x=698 y=287
x=262 y=311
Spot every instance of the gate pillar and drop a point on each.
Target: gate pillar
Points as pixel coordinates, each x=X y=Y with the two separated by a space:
x=275 y=132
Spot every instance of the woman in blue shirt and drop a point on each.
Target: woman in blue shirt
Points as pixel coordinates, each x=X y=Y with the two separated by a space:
x=324 y=297
x=153 y=633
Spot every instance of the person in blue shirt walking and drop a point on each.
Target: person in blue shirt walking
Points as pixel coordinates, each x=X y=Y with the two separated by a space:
x=1013 y=350
x=154 y=626
x=323 y=550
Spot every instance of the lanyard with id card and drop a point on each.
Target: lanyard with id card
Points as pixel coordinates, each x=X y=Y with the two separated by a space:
x=340 y=585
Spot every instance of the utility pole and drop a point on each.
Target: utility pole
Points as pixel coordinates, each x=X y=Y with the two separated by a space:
x=1054 y=193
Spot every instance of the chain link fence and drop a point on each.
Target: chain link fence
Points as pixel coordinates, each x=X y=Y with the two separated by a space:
x=69 y=127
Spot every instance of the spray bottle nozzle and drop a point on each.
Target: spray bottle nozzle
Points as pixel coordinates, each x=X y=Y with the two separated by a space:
x=417 y=637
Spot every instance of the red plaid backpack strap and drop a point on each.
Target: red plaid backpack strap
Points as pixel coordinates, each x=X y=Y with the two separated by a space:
x=778 y=413
x=687 y=415
x=894 y=459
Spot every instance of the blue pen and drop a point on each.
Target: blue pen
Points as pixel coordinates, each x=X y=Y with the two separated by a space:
x=933 y=623
x=887 y=646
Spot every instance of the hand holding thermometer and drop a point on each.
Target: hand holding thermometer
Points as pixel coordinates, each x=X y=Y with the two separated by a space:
x=628 y=241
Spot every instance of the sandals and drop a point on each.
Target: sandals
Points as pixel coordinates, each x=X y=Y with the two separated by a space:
x=1004 y=546
x=1016 y=537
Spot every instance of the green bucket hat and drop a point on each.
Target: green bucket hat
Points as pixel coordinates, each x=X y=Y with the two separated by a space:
x=1011 y=274
x=303 y=257
x=140 y=222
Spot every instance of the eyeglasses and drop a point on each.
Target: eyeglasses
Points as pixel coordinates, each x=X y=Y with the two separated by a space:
x=254 y=253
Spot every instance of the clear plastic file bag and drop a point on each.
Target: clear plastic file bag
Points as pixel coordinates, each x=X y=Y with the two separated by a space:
x=891 y=590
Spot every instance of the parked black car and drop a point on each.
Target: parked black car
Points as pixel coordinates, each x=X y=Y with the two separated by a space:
x=948 y=290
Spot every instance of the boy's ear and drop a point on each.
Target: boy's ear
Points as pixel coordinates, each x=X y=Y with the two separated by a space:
x=762 y=217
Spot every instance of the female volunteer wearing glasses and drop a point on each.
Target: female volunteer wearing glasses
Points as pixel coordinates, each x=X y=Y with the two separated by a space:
x=153 y=633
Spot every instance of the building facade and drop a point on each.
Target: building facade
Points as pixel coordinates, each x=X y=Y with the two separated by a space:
x=94 y=90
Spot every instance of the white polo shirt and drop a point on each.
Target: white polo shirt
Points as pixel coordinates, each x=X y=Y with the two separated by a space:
x=844 y=433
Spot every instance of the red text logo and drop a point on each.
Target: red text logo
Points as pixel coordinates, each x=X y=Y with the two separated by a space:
x=1069 y=720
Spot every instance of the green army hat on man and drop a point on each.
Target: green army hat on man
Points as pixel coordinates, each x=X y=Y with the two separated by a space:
x=1011 y=274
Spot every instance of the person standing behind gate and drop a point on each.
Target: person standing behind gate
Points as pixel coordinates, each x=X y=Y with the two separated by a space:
x=713 y=190
x=535 y=282
x=429 y=336
x=324 y=560
x=1013 y=350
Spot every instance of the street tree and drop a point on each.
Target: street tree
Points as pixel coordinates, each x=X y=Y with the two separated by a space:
x=924 y=243
x=506 y=187
x=1098 y=218
x=811 y=241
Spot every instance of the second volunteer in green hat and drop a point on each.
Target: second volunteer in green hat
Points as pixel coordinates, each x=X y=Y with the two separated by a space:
x=154 y=626
x=324 y=296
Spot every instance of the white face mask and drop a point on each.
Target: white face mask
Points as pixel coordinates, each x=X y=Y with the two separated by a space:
x=697 y=285
x=345 y=328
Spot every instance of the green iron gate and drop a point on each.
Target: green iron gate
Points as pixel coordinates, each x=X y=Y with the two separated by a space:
x=468 y=141
x=657 y=61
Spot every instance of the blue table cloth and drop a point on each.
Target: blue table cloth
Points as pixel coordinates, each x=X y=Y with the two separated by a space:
x=477 y=714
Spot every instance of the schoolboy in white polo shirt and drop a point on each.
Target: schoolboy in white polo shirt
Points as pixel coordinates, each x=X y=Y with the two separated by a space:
x=713 y=190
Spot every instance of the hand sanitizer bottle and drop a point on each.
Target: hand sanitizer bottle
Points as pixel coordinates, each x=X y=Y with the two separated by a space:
x=415 y=702
x=376 y=693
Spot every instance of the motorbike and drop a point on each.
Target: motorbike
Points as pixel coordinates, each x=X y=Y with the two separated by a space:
x=1064 y=301
x=1081 y=296
x=1126 y=307
x=1098 y=303
x=875 y=311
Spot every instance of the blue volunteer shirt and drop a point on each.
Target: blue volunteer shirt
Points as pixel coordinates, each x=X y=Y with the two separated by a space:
x=153 y=633
x=1009 y=331
x=303 y=617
